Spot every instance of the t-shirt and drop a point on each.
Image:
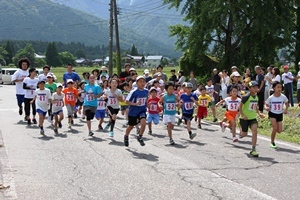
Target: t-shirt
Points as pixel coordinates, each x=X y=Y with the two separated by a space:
x=285 y=79
x=137 y=95
x=197 y=92
x=101 y=106
x=153 y=107
x=124 y=93
x=194 y=82
x=169 y=104
x=276 y=78
x=224 y=82
x=51 y=87
x=42 y=77
x=81 y=95
x=260 y=78
x=210 y=90
x=160 y=81
x=204 y=100
x=188 y=103
x=112 y=101
x=249 y=106
x=19 y=74
x=232 y=104
x=70 y=96
x=74 y=76
x=91 y=91
x=276 y=103
x=32 y=84
x=42 y=99
x=57 y=106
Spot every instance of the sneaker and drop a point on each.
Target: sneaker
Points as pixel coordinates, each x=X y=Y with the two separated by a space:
x=25 y=118
x=171 y=141
x=28 y=122
x=100 y=127
x=234 y=139
x=141 y=141
x=192 y=135
x=254 y=153
x=126 y=141
x=49 y=119
x=199 y=126
x=196 y=119
x=21 y=110
x=215 y=119
x=138 y=130
x=223 y=127
x=55 y=131
x=42 y=132
x=150 y=132
x=69 y=126
x=72 y=122
x=34 y=121
x=91 y=133
x=75 y=115
x=111 y=134
x=59 y=125
x=107 y=126
x=273 y=145
x=179 y=122
x=240 y=136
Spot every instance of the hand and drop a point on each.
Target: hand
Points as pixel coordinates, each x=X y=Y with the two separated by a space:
x=285 y=112
x=267 y=108
x=160 y=106
x=245 y=118
x=192 y=98
x=139 y=103
x=261 y=115
x=31 y=102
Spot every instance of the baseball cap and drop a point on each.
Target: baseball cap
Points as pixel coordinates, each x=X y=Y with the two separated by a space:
x=140 y=77
x=235 y=74
x=285 y=67
x=252 y=84
x=58 y=85
x=234 y=67
x=153 y=88
x=70 y=81
x=159 y=74
x=50 y=75
x=146 y=71
x=188 y=85
x=132 y=69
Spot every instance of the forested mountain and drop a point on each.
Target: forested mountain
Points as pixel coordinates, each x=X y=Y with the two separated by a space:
x=47 y=21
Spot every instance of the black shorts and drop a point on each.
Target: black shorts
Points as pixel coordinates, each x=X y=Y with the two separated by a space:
x=112 y=111
x=187 y=117
x=245 y=124
x=79 y=103
x=134 y=120
x=278 y=117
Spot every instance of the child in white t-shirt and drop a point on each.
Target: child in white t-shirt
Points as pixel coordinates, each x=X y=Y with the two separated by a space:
x=57 y=107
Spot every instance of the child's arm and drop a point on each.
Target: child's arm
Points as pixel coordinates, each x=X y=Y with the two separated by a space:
x=160 y=102
x=241 y=112
x=34 y=98
x=261 y=115
x=132 y=103
x=267 y=107
x=222 y=101
x=286 y=107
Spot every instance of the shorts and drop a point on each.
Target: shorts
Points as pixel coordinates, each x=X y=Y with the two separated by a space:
x=123 y=108
x=20 y=99
x=112 y=111
x=89 y=112
x=169 y=118
x=134 y=120
x=211 y=104
x=100 y=114
x=231 y=115
x=70 y=109
x=202 y=112
x=57 y=112
x=41 y=112
x=245 y=124
x=187 y=117
x=79 y=103
x=153 y=118
x=278 y=117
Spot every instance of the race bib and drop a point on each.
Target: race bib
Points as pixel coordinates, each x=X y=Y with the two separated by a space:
x=70 y=97
x=112 y=101
x=32 y=92
x=142 y=101
x=153 y=107
x=253 y=105
x=170 y=106
x=42 y=98
x=233 y=107
x=90 y=97
x=188 y=105
x=101 y=105
x=204 y=102
x=276 y=107
x=82 y=95
x=59 y=103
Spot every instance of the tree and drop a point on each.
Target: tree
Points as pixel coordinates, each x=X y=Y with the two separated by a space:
x=11 y=52
x=79 y=53
x=134 y=51
x=237 y=32
x=52 y=55
x=164 y=62
x=67 y=58
x=27 y=52
x=40 y=62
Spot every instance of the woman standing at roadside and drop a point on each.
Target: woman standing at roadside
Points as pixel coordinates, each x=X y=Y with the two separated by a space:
x=181 y=78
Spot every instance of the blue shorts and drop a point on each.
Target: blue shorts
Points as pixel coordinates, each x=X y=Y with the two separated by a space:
x=20 y=99
x=41 y=112
x=57 y=113
x=153 y=118
x=100 y=114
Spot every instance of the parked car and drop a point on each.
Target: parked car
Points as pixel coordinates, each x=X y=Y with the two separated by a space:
x=7 y=75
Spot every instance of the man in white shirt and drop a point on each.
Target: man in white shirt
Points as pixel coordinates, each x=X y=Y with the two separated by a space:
x=46 y=70
x=18 y=78
x=159 y=79
x=288 y=78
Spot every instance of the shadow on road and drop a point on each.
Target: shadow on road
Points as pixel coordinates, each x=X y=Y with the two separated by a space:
x=260 y=158
x=186 y=141
x=235 y=145
x=159 y=136
x=176 y=145
x=46 y=138
x=116 y=143
x=74 y=131
x=21 y=122
x=82 y=121
x=95 y=139
x=281 y=149
x=209 y=130
x=32 y=127
x=149 y=157
x=61 y=135
x=78 y=125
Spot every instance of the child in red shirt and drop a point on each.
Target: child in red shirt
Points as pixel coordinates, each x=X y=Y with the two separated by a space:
x=153 y=109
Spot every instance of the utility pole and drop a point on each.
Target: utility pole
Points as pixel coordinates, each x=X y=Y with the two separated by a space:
x=111 y=36
x=118 y=63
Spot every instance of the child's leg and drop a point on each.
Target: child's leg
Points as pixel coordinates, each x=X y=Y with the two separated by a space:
x=170 y=128
x=112 y=122
x=188 y=125
x=143 y=126
x=150 y=126
x=274 y=129
x=61 y=116
x=27 y=108
x=213 y=109
x=33 y=110
x=55 y=120
x=41 y=120
x=232 y=124
x=101 y=121
x=254 y=135
x=128 y=130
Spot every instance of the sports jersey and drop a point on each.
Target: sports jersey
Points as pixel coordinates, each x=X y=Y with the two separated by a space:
x=81 y=95
x=101 y=104
x=19 y=74
x=70 y=95
x=249 y=106
x=51 y=87
x=42 y=99
x=112 y=101
x=73 y=75
x=57 y=106
x=31 y=83
x=276 y=103
x=204 y=100
x=197 y=92
x=188 y=103
x=91 y=91
x=124 y=93
x=153 y=105
x=169 y=104
x=137 y=95
x=232 y=104
x=210 y=90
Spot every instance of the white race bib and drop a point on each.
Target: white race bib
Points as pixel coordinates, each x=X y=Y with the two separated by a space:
x=153 y=107
x=142 y=101
x=101 y=105
x=170 y=106
x=189 y=105
x=253 y=105
x=233 y=106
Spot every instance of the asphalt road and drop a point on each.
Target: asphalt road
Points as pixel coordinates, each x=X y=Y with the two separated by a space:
x=75 y=166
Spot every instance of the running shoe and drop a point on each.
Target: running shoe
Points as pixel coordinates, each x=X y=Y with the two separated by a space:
x=150 y=132
x=179 y=122
x=34 y=121
x=42 y=132
x=55 y=131
x=223 y=127
x=138 y=130
x=199 y=126
x=28 y=122
x=141 y=141
x=72 y=122
x=254 y=153
x=25 y=118
x=107 y=126
x=59 y=125
x=111 y=134
x=126 y=141
x=21 y=110
x=91 y=133
x=215 y=119
x=241 y=136
x=171 y=141
x=234 y=139
x=192 y=135
x=69 y=126
x=273 y=145
x=100 y=127
x=75 y=115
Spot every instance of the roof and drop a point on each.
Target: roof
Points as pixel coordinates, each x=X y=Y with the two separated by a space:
x=154 y=57
x=137 y=57
x=98 y=60
x=39 y=56
x=80 y=60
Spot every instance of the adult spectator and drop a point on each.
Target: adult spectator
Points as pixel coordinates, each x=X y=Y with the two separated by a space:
x=103 y=72
x=18 y=78
x=298 y=85
x=96 y=73
x=125 y=74
x=217 y=84
x=224 y=83
x=159 y=79
x=132 y=71
x=276 y=75
x=288 y=78
x=173 y=77
x=234 y=69
x=160 y=70
x=181 y=78
x=147 y=76
x=260 y=79
x=268 y=80
x=70 y=74
x=248 y=72
x=46 y=71
x=153 y=72
x=193 y=81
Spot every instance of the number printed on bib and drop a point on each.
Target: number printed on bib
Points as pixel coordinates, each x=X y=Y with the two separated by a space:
x=32 y=92
x=276 y=106
x=233 y=107
x=90 y=97
x=189 y=105
x=42 y=98
x=170 y=106
x=112 y=101
x=142 y=101
x=101 y=105
x=70 y=97
x=204 y=102
x=253 y=105
x=153 y=107
x=59 y=103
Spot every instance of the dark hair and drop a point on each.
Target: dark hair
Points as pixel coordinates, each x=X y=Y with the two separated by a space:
x=103 y=76
x=86 y=73
x=69 y=65
x=234 y=87
x=115 y=75
x=203 y=88
x=46 y=66
x=114 y=79
x=96 y=70
x=272 y=66
x=209 y=79
x=275 y=84
x=125 y=84
x=181 y=72
x=172 y=70
x=31 y=70
x=168 y=84
x=159 y=66
x=276 y=71
x=155 y=81
x=23 y=60
x=225 y=71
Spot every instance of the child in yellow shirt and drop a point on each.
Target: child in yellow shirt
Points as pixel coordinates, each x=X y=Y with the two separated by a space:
x=203 y=101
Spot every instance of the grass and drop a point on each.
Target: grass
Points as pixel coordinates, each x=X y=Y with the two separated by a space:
x=291 y=128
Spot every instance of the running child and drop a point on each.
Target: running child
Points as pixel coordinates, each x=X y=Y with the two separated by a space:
x=71 y=94
x=153 y=109
x=113 y=96
x=124 y=106
x=203 y=102
x=233 y=104
x=137 y=100
x=187 y=101
x=169 y=101
x=42 y=100
x=51 y=85
x=210 y=89
x=57 y=107
x=274 y=105
x=101 y=111
x=80 y=99
x=248 y=114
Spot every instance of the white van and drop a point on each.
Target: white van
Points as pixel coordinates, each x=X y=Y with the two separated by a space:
x=7 y=74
